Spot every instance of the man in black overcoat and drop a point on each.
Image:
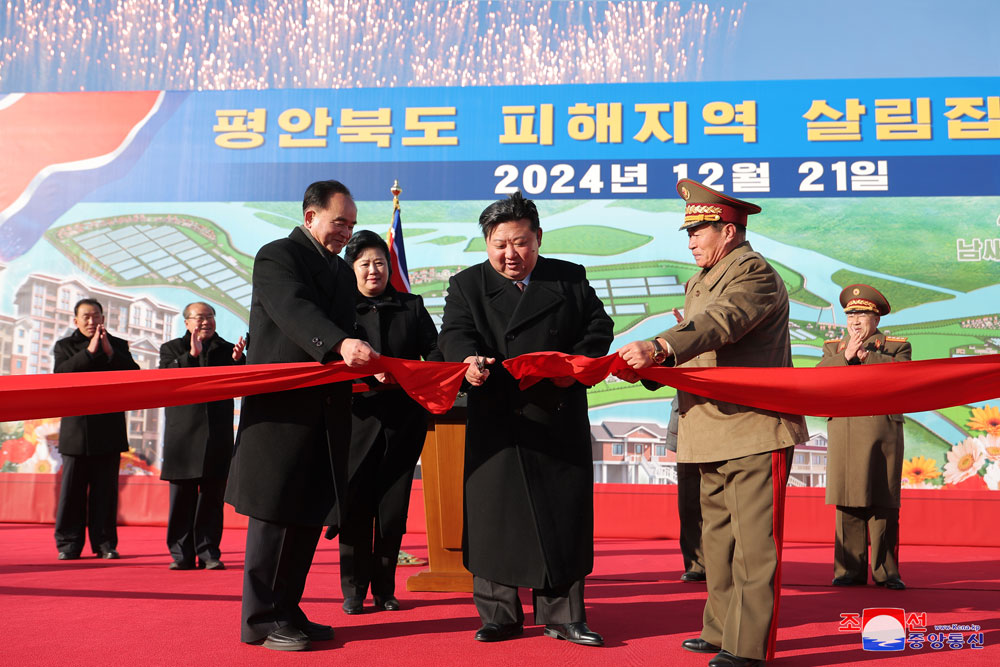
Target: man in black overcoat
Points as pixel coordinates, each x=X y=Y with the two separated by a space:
x=197 y=446
x=91 y=445
x=528 y=464
x=289 y=466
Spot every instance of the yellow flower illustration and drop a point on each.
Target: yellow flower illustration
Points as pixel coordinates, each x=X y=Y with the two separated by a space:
x=964 y=460
x=920 y=469
x=985 y=419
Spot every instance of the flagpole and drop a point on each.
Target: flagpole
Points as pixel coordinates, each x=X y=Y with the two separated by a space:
x=395 y=190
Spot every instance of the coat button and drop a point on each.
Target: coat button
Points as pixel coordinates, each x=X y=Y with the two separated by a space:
x=697 y=292
x=518 y=412
x=510 y=336
x=317 y=342
x=329 y=400
x=373 y=309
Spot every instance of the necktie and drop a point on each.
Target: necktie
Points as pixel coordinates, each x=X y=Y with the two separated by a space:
x=520 y=285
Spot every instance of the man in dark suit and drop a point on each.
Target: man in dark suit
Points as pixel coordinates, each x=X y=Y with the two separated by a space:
x=528 y=466
x=197 y=446
x=91 y=445
x=289 y=466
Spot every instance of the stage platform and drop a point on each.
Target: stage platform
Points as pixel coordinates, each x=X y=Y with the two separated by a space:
x=136 y=612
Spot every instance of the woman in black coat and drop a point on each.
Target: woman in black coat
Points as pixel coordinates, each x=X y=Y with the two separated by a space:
x=388 y=430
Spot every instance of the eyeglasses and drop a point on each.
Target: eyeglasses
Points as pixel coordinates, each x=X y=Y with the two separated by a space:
x=201 y=318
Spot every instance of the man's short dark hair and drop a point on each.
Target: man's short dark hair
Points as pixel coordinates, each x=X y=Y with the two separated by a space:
x=514 y=208
x=319 y=193
x=363 y=240
x=88 y=302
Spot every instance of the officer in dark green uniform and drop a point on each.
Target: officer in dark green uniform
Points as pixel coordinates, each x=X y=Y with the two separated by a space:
x=865 y=457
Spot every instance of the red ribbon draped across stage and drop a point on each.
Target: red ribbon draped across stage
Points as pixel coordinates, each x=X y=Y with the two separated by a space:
x=841 y=391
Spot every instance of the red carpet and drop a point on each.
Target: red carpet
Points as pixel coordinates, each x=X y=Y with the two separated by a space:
x=135 y=612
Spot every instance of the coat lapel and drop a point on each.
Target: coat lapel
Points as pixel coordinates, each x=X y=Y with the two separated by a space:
x=319 y=269
x=540 y=296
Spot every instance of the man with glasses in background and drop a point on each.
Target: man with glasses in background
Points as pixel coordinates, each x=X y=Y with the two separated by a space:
x=197 y=446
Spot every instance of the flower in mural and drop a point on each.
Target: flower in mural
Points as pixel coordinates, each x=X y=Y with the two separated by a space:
x=964 y=460
x=918 y=470
x=991 y=447
x=985 y=419
x=992 y=477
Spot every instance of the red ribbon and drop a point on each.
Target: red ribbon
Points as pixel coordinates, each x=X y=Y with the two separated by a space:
x=432 y=384
x=828 y=391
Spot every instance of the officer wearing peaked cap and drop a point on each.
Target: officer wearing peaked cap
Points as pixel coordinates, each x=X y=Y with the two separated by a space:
x=735 y=314
x=865 y=456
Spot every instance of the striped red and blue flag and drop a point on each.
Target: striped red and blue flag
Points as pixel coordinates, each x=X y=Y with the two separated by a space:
x=400 y=278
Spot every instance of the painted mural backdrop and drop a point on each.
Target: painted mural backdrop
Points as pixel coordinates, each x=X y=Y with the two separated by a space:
x=149 y=200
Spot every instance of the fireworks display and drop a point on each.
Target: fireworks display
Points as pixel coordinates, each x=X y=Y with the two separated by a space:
x=60 y=45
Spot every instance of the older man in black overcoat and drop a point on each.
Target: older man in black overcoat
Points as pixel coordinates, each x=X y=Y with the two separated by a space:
x=91 y=445
x=528 y=463
x=197 y=446
x=289 y=465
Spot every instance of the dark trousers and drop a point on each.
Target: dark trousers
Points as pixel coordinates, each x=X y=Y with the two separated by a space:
x=278 y=558
x=194 y=522
x=689 y=511
x=856 y=527
x=499 y=603
x=88 y=500
x=369 y=551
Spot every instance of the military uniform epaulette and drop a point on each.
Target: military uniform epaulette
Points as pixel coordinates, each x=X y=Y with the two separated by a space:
x=832 y=342
x=896 y=339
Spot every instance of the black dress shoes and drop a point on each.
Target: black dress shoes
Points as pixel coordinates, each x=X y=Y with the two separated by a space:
x=894 y=584
x=213 y=565
x=68 y=555
x=387 y=604
x=847 y=581
x=496 y=632
x=317 y=632
x=690 y=576
x=181 y=565
x=353 y=605
x=109 y=554
x=578 y=633
x=727 y=659
x=287 y=638
x=699 y=645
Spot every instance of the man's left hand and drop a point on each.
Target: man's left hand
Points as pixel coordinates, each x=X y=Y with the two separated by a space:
x=356 y=352
x=238 y=349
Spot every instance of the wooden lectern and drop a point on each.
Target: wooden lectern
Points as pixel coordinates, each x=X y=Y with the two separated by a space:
x=441 y=465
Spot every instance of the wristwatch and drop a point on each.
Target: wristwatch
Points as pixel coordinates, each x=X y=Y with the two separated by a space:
x=659 y=354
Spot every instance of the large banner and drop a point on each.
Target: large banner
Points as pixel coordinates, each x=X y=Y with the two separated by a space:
x=150 y=200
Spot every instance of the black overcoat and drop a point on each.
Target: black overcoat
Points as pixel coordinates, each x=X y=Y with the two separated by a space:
x=395 y=324
x=92 y=434
x=197 y=438
x=529 y=480
x=290 y=459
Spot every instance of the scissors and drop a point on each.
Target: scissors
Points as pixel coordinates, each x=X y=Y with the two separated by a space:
x=480 y=363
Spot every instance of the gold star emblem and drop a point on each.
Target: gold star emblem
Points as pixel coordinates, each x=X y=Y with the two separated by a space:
x=856 y=291
x=685 y=193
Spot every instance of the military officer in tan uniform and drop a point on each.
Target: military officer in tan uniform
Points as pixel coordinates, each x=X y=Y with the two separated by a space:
x=865 y=457
x=735 y=314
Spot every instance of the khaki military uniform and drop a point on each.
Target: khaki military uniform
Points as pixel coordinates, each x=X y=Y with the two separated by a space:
x=736 y=314
x=864 y=469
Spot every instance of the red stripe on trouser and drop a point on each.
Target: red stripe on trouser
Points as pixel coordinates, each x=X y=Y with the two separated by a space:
x=779 y=479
